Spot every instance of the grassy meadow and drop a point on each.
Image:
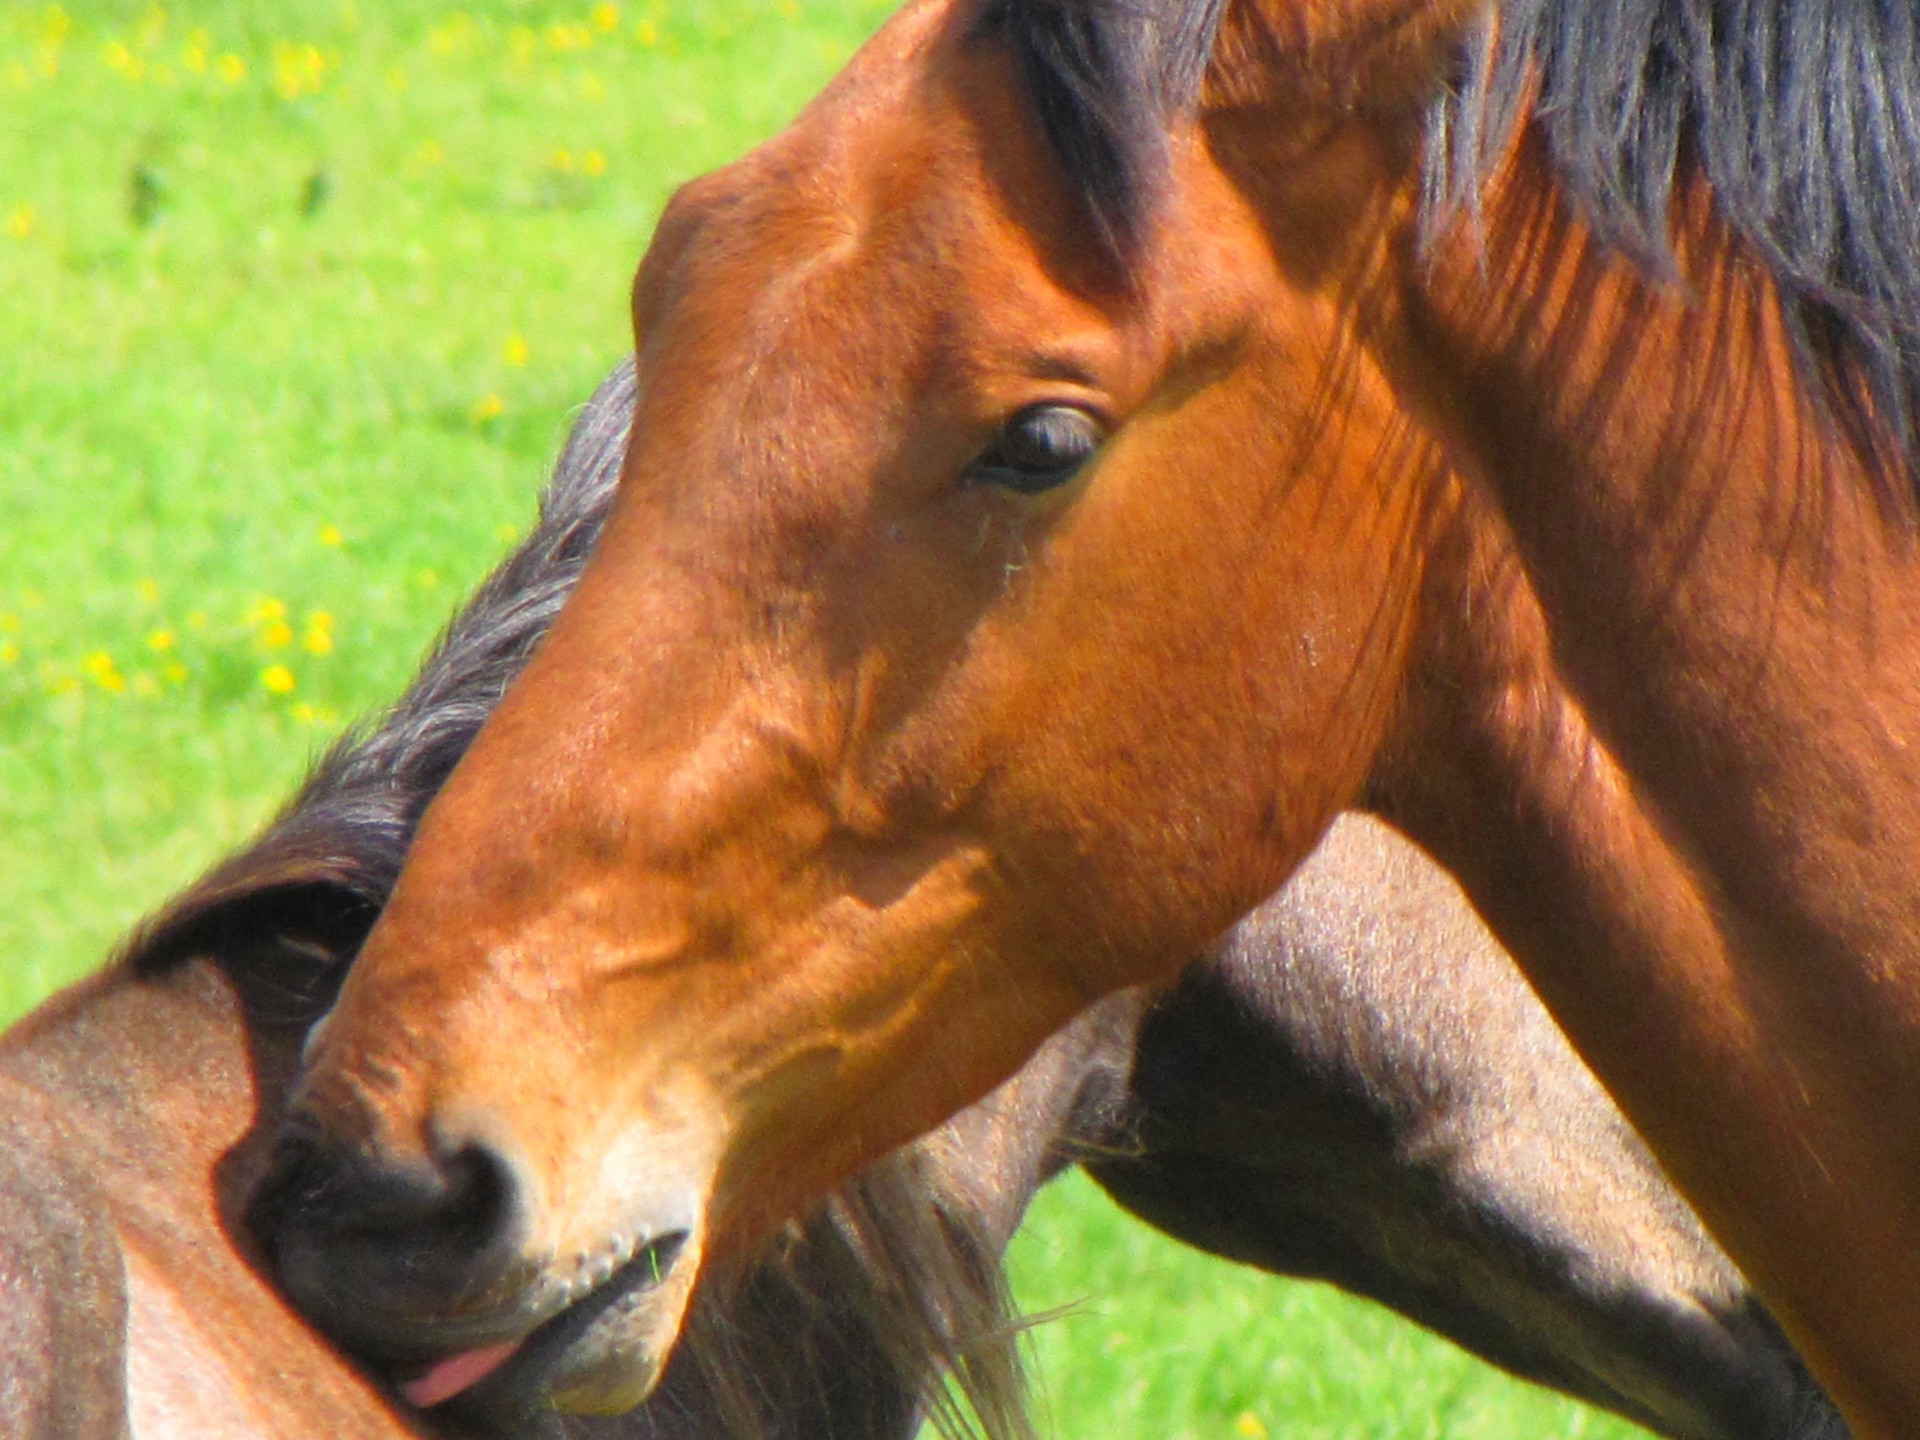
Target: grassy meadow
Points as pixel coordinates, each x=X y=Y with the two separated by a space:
x=295 y=299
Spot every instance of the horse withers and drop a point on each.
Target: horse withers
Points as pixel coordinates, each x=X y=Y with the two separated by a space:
x=1091 y=446
x=1356 y=1087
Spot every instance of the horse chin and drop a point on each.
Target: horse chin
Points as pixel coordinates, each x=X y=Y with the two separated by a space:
x=601 y=1355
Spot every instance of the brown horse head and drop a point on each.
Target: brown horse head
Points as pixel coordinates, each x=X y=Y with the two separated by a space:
x=1047 y=508
x=817 y=811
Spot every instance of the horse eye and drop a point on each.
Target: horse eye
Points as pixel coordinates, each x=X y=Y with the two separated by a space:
x=1042 y=446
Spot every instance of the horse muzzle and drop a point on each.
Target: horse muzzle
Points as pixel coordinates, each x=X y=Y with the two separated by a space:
x=445 y=1272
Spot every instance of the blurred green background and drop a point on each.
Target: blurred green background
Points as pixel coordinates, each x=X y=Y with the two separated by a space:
x=297 y=300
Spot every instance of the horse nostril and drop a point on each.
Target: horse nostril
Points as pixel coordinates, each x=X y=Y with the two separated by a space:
x=352 y=1233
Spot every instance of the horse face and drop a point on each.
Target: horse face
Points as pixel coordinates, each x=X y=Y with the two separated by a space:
x=983 y=624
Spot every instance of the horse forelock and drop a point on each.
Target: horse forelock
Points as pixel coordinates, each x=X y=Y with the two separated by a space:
x=1107 y=78
x=1804 y=121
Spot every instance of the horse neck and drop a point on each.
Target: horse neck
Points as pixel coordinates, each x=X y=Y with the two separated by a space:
x=1672 y=764
x=164 y=1075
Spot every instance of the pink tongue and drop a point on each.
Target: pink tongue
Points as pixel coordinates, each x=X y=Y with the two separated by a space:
x=447 y=1378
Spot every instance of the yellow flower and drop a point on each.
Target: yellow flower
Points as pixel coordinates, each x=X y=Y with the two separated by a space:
x=507 y=533
x=488 y=407
x=514 y=351
x=277 y=679
x=148 y=590
x=160 y=640
x=644 y=32
x=231 y=68
x=562 y=160
x=9 y=652
x=98 y=663
x=21 y=220
x=263 y=611
x=606 y=17
x=276 y=633
x=318 y=642
x=1250 y=1425
x=304 y=713
x=427 y=578
x=175 y=672
x=594 y=163
x=331 y=537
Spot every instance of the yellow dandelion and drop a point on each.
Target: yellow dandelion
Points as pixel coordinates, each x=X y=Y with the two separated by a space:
x=331 y=537
x=488 y=407
x=21 y=221
x=55 y=23
x=514 y=351
x=320 y=620
x=9 y=652
x=230 y=68
x=561 y=160
x=265 y=610
x=304 y=713
x=193 y=55
x=593 y=163
x=606 y=18
x=174 y=672
x=426 y=578
x=318 y=642
x=277 y=680
x=645 y=34
x=276 y=634
x=111 y=681
x=507 y=533
x=161 y=640
x=1250 y=1425
x=116 y=55
x=97 y=663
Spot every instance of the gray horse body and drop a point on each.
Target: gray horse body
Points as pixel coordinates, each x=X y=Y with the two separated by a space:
x=1356 y=1086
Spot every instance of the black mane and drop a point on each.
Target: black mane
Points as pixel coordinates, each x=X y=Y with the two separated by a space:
x=1804 y=116
x=1804 y=119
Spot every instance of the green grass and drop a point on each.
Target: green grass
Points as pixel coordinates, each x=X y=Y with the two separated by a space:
x=297 y=299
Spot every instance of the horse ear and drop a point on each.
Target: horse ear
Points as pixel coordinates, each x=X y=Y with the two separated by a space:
x=283 y=920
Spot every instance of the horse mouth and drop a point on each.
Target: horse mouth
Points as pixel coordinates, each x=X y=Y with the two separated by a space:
x=599 y=1353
